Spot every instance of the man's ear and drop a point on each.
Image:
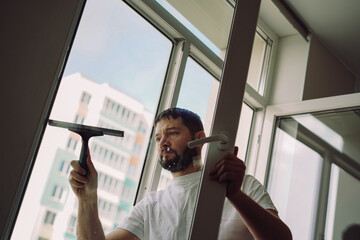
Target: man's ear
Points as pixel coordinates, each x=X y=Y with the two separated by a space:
x=198 y=135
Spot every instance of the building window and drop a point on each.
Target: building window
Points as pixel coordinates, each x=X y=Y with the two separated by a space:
x=64 y=167
x=71 y=144
x=137 y=149
x=85 y=98
x=106 y=208
x=72 y=225
x=58 y=193
x=49 y=218
x=79 y=119
x=109 y=183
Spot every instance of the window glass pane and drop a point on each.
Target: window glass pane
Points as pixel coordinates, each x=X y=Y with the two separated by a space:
x=197 y=90
x=198 y=93
x=259 y=61
x=257 y=57
x=343 y=212
x=112 y=79
x=210 y=21
x=243 y=134
x=293 y=183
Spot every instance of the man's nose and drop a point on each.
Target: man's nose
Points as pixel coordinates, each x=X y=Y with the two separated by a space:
x=164 y=142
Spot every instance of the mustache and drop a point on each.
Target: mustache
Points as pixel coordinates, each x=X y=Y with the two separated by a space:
x=168 y=149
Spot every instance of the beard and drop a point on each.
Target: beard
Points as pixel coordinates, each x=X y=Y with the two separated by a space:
x=178 y=162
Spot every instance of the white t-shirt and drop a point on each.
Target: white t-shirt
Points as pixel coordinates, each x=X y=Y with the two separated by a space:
x=167 y=214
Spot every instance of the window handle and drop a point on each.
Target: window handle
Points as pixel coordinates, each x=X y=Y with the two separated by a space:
x=221 y=138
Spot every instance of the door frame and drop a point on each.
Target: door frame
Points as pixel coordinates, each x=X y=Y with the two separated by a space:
x=329 y=154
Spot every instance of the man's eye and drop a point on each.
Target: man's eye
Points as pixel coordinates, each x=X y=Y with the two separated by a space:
x=157 y=139
x=173 y=133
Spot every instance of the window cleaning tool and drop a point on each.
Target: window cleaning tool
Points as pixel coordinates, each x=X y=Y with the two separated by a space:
x=86 y=132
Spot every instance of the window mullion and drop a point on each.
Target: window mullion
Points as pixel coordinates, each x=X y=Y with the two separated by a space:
x=168 y=98
x=319 y=226
x=254 y=141
x=211 y=195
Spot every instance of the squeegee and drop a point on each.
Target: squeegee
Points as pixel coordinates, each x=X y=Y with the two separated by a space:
x=86 y=132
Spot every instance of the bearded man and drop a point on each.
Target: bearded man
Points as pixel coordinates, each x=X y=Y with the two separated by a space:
x=248 y=210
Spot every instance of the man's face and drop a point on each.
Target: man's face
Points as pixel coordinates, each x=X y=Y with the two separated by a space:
x=171 y=137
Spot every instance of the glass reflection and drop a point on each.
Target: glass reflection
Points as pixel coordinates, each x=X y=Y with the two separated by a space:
x=293 y=183
x=106 y=83
x=210 y=20
x=321 y=129
x=295 y=171
x=343 y=206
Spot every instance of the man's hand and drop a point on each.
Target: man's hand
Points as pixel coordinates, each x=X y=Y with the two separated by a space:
x=84 y=183
x=231 y=169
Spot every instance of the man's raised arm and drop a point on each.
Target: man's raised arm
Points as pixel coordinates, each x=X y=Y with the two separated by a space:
x=84 y=184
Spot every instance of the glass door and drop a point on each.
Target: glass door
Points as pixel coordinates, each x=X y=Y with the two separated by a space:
x=294 y=181
x=314 y=171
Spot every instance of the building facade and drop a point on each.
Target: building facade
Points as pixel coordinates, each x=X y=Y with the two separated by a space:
x=117 y=160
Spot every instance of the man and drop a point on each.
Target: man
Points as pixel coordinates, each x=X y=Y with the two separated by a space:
x=248 y=211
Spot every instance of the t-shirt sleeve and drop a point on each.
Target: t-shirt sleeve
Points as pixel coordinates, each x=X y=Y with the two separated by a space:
x=134 y=222
x=257 y=192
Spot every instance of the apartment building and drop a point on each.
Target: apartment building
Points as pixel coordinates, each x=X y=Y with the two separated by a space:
x=118 y=160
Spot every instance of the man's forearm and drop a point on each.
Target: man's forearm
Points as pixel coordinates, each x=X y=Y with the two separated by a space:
x=261 y=223
x=89 y=226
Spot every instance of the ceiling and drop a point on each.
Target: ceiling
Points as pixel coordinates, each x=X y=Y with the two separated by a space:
x=336 y=23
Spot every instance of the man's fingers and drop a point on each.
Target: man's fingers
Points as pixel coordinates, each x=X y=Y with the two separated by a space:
x=230 y=162
x=90 y=165
x=76 y=184
x=235 y=170
x=77 y=167
x=229 y=176
x=78 y=177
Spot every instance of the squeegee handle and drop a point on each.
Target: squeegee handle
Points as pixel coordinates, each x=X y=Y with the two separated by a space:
x=84 y=152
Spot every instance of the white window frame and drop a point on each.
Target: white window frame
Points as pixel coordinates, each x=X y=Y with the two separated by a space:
x=185 y=45
x=317 y=105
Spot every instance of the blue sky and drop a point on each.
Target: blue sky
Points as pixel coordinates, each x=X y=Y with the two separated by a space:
x=115 y=45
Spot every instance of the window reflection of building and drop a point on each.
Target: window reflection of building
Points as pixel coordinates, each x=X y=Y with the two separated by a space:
x=116 y=159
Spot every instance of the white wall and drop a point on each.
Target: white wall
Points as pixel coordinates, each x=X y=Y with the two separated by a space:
x=290 y=69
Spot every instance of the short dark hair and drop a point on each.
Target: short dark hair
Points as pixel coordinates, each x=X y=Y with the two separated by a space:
x=190 y=119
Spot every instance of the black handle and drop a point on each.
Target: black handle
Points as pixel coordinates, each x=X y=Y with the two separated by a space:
x=84 y=152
